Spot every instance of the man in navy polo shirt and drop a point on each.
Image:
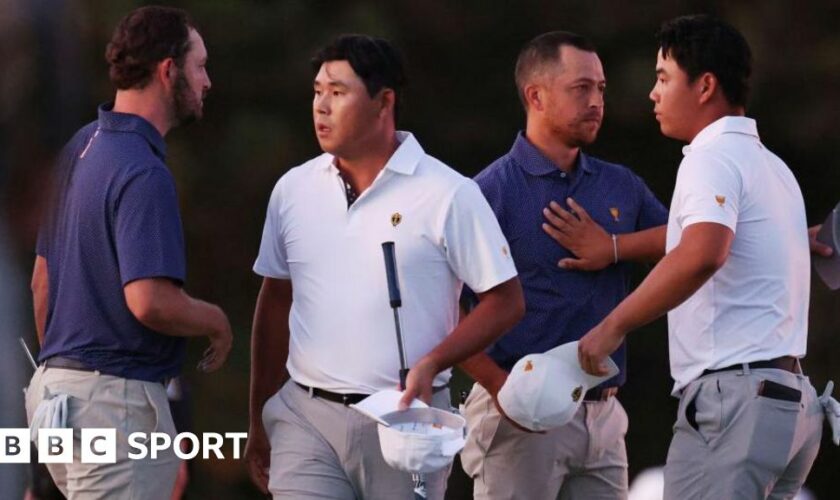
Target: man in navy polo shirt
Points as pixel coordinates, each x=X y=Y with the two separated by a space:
x=561 y=84
x=110 y=309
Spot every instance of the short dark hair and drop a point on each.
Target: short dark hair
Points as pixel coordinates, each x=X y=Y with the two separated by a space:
x=145 y=37
x=701 y=44
x=377 y=62
x=544 y=49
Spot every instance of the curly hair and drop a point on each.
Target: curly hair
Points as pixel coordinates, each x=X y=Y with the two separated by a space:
x=145 y=37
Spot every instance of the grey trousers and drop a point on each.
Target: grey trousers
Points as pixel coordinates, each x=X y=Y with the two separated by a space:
x=732 y=442
x=325 y=450
x=584 y=459
x=105 y=401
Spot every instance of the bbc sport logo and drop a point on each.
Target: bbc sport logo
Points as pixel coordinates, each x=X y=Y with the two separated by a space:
x=99 y=446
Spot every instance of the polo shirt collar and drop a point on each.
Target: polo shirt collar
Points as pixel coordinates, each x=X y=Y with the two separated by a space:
x=404 y=160
x=126 y=122
x=533 y=161
x=723 y=125
x=407 y=156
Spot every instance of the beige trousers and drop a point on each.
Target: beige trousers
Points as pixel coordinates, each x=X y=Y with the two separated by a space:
x=584 y=459
x=105 y=401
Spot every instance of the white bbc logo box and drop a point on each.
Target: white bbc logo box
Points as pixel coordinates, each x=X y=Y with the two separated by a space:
x=14 y=446
x=98 y=446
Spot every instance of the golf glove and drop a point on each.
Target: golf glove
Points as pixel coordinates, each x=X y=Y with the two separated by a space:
x=831 y=408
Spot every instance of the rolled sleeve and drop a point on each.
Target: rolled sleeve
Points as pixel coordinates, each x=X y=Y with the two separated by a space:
x=476 y=249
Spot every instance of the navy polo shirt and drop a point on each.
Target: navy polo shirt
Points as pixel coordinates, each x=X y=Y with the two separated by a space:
x=562 y=305
x=113 y=219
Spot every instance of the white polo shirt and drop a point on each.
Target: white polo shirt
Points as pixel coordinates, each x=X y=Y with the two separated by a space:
x=756 y=306
x=341 y=323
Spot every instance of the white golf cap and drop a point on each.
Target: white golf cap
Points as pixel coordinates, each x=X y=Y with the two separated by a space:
x=828 y=268
x=417 y=440
x=545 y=390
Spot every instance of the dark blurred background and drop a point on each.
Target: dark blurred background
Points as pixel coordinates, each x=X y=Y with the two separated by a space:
x=461 y=104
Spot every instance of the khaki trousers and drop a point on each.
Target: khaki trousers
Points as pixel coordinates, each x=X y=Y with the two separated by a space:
x=105 y=401
x=584 y=459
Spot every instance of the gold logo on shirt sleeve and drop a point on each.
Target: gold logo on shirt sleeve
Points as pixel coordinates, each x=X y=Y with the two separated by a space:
x=528 y=366
x=577 y=393
x=720 y=199
x=396 y=218
x=615 y=213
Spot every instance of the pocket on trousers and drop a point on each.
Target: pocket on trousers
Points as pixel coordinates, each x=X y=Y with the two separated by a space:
x=779 y=392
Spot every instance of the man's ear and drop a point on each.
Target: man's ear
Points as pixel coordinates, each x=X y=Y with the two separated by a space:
x=166 y=72
x=387 y=99
x=707 y=85
x=533 y=96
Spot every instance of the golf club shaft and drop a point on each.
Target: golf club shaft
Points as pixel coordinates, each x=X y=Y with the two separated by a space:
x=396 y=301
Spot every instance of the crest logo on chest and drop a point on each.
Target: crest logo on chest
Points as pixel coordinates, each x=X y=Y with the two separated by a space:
x=396 y=218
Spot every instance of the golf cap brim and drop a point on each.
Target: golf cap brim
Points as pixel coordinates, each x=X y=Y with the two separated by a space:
x=382 y=403
x=568 y=353
x=828 y=268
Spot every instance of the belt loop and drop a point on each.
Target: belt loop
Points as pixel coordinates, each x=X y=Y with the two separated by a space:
x=745 y=368
x=311 y=392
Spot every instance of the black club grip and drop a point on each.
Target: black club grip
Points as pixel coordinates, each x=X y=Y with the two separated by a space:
x=391 y=272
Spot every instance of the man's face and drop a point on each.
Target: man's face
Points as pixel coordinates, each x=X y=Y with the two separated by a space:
x=674 y=99
x=192 y=82
x=344 y=114
x=574 y=96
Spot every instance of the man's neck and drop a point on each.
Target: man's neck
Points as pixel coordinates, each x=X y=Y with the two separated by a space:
x=362 y=170
x=562 y=155
x=145 y=104
x=712 y=115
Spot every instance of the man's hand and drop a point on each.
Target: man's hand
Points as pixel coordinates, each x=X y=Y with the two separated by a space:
x=595 y=346
x=817 y=247
x=582 y=236
x=216 y=355
x=419 y=382
x=258 y=456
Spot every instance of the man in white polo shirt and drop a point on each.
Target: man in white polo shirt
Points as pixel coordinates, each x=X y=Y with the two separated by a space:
x=735 y=279
x=323 y=310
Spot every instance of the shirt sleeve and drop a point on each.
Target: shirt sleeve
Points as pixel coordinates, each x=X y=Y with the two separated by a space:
x=707 y=190
x=476 y=249
x=147 y=228
x=271 y=261
x=652 y=212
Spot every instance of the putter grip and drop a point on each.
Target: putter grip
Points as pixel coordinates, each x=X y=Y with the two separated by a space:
x=391 y=272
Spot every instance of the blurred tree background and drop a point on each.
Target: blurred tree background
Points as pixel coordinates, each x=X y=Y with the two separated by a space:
x=462 y=105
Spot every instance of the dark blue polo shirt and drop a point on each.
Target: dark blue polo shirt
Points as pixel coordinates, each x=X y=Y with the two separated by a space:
x=113 y=219
x=561 y=305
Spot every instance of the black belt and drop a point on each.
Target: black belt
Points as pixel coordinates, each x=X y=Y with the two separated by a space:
x=600 y=393
x=67 y=364
x=72 y=364
x=786 y=363
x=346 y=399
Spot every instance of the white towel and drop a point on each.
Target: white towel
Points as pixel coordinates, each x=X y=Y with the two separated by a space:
x=50 y=413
